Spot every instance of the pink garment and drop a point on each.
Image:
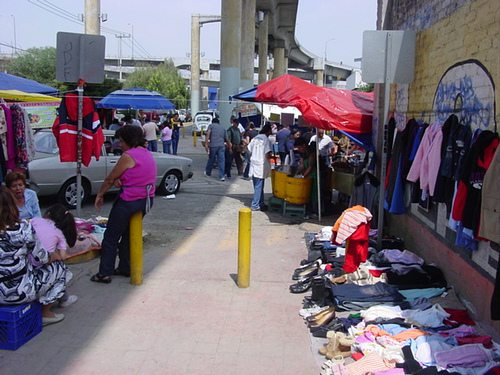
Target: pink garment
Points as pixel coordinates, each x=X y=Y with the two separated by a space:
x=350 y=220
x=166 y=134
x=462 y=331
x=426 y=164
x=463 y=356
x=136 y=179
x=370 y=363
x=51 y=237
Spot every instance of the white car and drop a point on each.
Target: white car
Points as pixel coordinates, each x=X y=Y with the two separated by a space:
x=202 y=120
x=47 y=175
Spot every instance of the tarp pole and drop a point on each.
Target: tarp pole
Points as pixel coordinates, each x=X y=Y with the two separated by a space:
x=318 y=176
x=79 y=148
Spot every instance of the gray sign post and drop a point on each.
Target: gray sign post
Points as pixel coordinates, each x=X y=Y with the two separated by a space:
x=388 y=57
x=80 y=56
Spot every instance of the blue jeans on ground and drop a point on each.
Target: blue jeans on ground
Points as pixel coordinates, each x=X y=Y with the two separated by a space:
x=116 y=236
x=166 y=146
x=258 y=193
x=175 y=141
x=247 y=167
x=153 y=145
x=216 y=152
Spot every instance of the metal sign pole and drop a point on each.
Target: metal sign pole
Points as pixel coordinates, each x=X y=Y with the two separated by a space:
x=79 y=148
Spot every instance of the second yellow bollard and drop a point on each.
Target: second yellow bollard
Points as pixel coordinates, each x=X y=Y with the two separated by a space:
x=136 y=266
x=244 y=247
x=194 y=139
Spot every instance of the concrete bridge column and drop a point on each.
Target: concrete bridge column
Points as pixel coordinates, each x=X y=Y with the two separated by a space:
x=230 y=56
x=195 y=63
x=320 y=74
x=279 y=60
x=247 y=43
x=263 y=46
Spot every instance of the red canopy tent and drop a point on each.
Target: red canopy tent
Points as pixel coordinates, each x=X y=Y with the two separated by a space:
x=322 y=107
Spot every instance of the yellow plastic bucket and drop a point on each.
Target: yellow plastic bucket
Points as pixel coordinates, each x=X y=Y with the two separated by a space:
x=298 y=190
x=278 y=181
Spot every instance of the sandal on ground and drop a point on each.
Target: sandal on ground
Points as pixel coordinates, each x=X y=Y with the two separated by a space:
x=122 y=273
x=98 y=278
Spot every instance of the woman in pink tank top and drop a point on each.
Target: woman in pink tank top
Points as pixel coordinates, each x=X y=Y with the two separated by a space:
x=135 y=173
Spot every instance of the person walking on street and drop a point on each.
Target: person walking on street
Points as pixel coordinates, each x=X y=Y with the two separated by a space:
x=166 y=137
x=234 y=152
x=150 y=128
x=260 y=166
x=176 y=125
x=214 y=144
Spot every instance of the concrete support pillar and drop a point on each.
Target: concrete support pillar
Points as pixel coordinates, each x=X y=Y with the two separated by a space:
x=195 y=63
x=230 y=57
x=279 y=62
x=247 y=43
x=263 y=46
x=92 y=14
x=320 y=74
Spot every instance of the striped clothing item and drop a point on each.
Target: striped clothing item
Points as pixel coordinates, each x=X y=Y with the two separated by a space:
x=349 y=222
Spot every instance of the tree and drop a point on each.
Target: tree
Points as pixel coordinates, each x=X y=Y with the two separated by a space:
x=369 y=87
x=36 y=63
x=162 y=78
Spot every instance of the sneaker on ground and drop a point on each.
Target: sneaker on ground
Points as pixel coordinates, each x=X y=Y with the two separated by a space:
x=71 y=300
x=223 y=179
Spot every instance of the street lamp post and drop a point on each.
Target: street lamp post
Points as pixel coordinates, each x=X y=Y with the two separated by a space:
x=132 y=40
x=121 y=36
x=326 y=58
x=326 y=46
x=15 y=39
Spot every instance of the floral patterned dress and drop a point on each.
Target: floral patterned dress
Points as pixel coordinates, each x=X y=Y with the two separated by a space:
x=20 y=281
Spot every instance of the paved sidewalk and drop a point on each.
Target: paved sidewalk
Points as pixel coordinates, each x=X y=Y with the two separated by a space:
x=188 y=317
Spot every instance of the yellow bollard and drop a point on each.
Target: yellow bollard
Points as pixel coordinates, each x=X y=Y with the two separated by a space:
x=183 y=133
x=136 y=267
x=244 y=247
x=194 y=139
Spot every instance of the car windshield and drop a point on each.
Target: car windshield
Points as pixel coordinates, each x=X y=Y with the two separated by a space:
x=46 y=142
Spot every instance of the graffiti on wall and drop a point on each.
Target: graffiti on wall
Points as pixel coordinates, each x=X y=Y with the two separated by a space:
x=467 y=90
x=423 y=20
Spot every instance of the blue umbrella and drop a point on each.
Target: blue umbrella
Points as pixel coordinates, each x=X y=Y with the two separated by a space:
x=10 y=82
x=135 y=98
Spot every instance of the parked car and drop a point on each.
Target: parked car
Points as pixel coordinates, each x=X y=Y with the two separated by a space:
x=202 y=120
x=47 y=175
x=184 y=115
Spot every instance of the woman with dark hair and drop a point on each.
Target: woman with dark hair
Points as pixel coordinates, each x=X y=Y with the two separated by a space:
x=26 y=199
x=135 y=173
x=20 y=281
x=56 y=230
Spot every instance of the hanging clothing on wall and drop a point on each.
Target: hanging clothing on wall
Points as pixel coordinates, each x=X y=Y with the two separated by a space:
x=467 y=204
x=365 y=192
x=65 y=129
x=396 y=173
x=490 y=201
x=425 y=167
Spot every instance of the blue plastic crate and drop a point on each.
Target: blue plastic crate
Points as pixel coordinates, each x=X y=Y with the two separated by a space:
x=19 y=324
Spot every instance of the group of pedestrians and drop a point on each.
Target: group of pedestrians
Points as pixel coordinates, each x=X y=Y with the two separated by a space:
x=169 y=131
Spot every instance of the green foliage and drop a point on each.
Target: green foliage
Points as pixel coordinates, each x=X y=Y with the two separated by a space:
x=369 y=87
x=38 y=64
x=162 y=78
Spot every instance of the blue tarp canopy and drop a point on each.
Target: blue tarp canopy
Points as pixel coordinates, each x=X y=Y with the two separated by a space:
x=10 y=82
x=135 y=98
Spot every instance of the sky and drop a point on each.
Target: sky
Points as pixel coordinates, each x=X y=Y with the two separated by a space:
x=162 y=28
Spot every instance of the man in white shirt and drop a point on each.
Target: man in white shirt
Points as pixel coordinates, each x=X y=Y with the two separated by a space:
x=260 y=166
x=150 y=129
x=326 y=146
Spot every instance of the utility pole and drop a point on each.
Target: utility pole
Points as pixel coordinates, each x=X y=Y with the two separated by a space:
x=120 y=36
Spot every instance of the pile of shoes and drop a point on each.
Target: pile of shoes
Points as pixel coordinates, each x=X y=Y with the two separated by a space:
x=305 y=276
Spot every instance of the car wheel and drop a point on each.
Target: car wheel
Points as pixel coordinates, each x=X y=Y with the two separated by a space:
x=67 y=195
x=170 y=183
